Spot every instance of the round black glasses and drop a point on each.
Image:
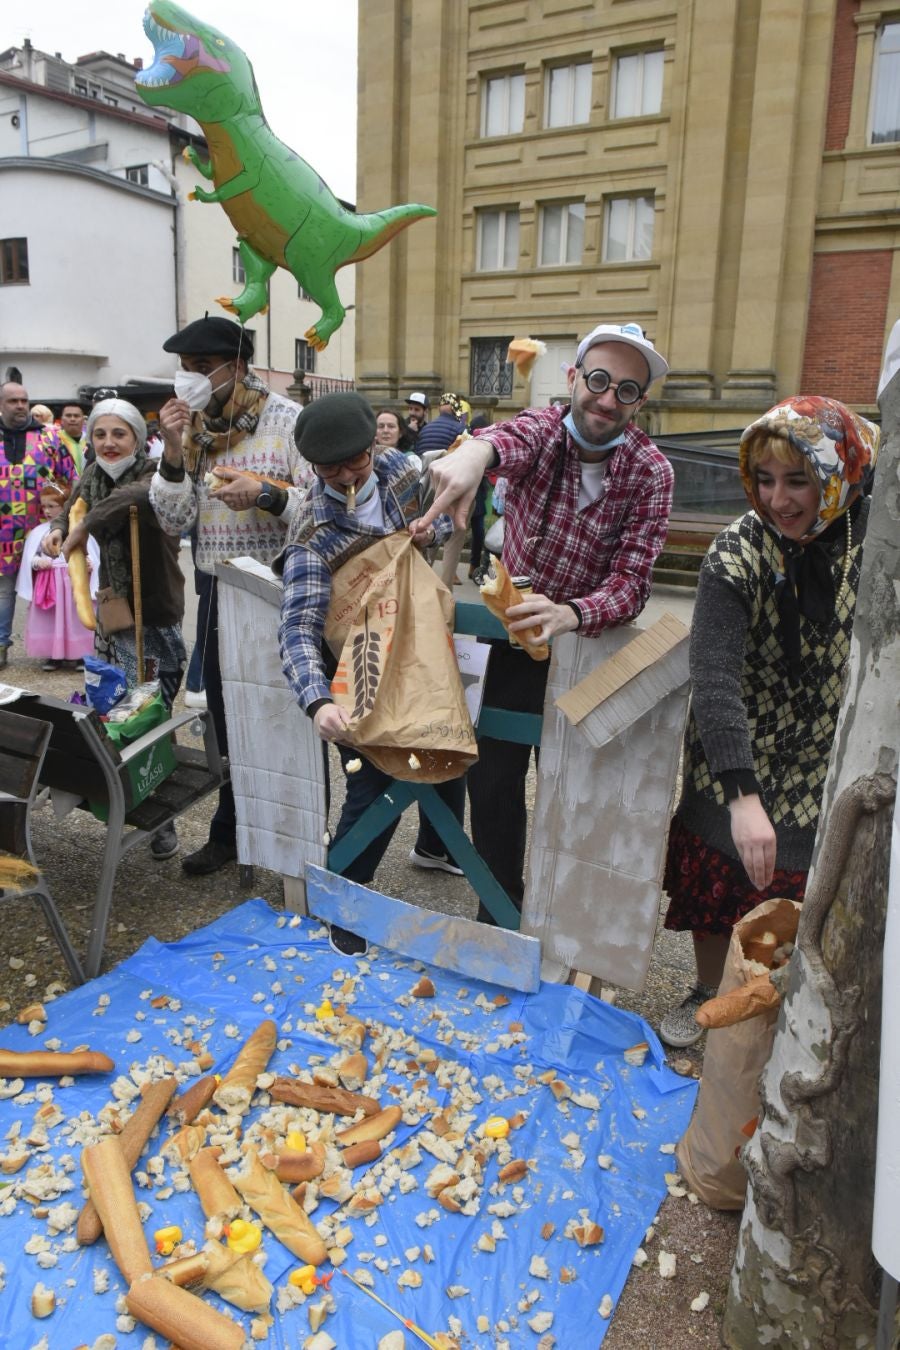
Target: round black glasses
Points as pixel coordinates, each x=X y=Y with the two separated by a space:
x=626 y=391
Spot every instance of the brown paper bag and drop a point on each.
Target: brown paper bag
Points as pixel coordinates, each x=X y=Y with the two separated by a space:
x=735 y=1057
x=389 y=624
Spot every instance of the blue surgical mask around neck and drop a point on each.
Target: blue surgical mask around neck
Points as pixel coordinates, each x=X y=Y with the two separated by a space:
x=584 y=443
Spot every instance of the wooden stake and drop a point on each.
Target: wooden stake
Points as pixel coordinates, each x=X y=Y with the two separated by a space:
x=136 y=588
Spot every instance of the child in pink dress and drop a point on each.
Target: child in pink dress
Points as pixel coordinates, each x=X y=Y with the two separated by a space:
x=53 y=630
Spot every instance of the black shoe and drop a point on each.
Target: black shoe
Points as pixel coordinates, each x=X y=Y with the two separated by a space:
x=50 y=664
x=164 y=843
x=345 y=943
x=210 y=858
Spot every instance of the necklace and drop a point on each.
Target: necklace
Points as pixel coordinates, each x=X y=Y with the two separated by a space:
x=845 y=569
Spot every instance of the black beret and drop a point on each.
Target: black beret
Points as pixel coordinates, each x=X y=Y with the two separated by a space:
x=335 y=427
x=211 y=336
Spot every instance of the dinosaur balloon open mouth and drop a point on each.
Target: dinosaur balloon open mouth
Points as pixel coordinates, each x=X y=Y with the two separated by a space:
x=175 y=55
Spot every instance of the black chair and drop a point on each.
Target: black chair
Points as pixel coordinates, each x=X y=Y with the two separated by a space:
x=23 y=745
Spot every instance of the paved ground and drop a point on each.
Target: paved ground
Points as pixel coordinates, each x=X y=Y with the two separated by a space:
x=157 y=899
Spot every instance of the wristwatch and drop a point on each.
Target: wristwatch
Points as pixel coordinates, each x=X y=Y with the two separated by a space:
x=267 y=498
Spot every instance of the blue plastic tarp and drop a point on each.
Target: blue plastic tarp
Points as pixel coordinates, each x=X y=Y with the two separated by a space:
x=212 y=976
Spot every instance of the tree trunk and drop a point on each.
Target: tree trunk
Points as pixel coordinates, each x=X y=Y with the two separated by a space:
x=804 y=1273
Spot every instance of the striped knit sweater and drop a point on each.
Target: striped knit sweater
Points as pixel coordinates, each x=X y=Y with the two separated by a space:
x=222 y=533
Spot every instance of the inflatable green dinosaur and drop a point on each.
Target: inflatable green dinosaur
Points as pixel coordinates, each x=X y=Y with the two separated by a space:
x=284 y=214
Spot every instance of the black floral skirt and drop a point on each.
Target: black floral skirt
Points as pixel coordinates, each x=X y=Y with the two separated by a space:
x=709 y=891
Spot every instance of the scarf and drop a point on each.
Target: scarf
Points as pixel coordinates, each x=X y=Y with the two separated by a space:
x=842 y=447
x=115 y=550
x=206 y=436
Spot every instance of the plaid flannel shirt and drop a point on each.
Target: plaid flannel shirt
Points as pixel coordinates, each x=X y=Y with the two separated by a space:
x=307 y=574
x=600 y=558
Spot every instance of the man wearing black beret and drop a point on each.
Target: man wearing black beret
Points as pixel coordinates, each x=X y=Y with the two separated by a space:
x=231 y=469
x=358 y=497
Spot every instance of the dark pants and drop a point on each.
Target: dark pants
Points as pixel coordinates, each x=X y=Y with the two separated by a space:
x=497 y=781
x=362 y=789
x=222 y=827
x=202 y=585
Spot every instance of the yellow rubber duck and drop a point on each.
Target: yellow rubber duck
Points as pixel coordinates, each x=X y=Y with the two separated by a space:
x=243 y=1236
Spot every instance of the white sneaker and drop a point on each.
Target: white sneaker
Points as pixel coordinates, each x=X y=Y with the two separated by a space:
x=195 y=700
x=431 y=862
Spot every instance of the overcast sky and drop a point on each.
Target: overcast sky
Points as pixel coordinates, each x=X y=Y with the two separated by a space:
x=303 y=54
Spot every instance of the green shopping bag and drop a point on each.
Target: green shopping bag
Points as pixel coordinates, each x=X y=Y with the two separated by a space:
x=145 y=772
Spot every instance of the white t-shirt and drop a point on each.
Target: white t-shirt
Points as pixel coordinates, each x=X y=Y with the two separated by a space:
x=371 y=512
x=592 y=476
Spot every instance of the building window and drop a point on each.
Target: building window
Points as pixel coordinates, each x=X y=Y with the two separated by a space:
x=304 y=356
x=303 y=293
x=138 y=173
x=113 y=102
x=81 y=89
x=490 y=374
x=567 y=95
x=637 y=85
x=886 y=98
x=503 y=105
x=562 y=234
x=628 y=229
x=237 y=267
x=13 y=261
x=497 y=241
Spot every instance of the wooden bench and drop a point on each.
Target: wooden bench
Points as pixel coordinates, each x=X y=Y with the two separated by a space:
x=687 y=541
x=81 y=759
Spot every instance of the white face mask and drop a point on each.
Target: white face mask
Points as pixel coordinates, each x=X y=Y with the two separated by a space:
x=194 y=388
x=116 y=467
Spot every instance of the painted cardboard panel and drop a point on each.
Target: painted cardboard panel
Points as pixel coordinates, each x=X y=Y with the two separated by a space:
x=277 y=769
x=601 y=820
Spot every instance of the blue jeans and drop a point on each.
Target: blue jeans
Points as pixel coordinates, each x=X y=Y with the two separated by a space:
x=7 y=607
x=362 y=789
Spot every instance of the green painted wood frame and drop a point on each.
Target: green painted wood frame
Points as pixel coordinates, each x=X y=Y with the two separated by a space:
x=498 y=723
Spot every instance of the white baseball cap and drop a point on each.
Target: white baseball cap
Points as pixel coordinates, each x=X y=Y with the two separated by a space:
x=633 y=336
x=417 y=398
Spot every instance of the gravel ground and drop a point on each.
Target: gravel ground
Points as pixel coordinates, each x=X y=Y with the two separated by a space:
x=157 y=899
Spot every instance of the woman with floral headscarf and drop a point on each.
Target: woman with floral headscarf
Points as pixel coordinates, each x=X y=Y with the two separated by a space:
x=769 y=641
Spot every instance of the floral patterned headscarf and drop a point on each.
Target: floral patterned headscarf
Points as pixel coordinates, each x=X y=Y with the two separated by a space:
x=841 y=446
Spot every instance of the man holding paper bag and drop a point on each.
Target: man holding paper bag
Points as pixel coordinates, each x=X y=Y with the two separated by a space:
x=587 y=509
x=364 y=639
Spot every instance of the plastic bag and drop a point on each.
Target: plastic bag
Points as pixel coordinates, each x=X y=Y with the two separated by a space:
x=137 y=723
x=104 y=684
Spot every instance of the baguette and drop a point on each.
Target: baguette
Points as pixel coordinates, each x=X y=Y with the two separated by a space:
x=326 y=1099
x=78 y=571
x=294 y=1167
x=52 y=1063
x=187 y=1105
x=232 y=1275
x=109 y=1183
x=279 y=1211
x=137 y=1130
x=373 y=1127
x=181 y=1317
x=236 y=1089
x=523 y=352
x=499 y=594
x=757 y=996
x=218 y=1198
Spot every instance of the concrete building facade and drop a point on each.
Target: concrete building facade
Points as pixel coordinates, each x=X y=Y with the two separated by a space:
x=102 y=255
x=724 y=172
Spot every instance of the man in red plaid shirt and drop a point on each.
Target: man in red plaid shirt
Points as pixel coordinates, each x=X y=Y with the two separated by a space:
x=587 y=509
